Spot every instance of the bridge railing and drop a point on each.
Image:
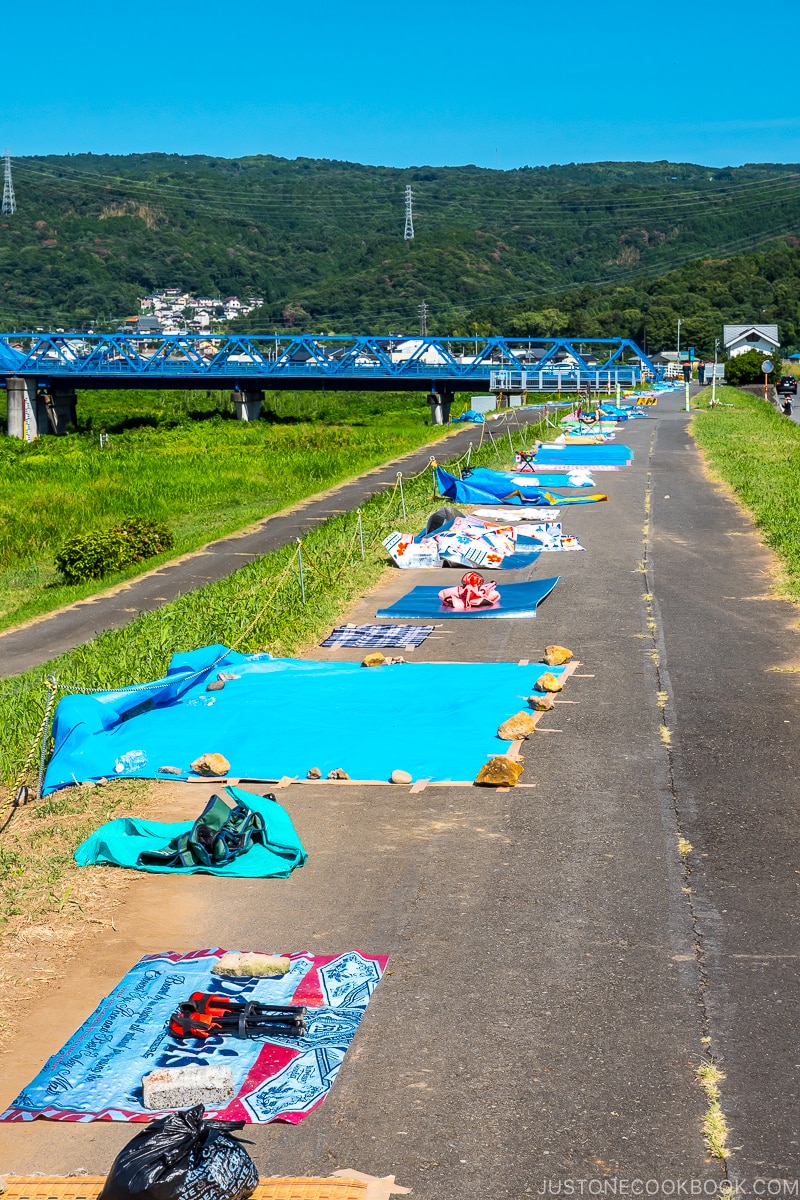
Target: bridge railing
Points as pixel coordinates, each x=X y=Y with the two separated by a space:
x=285 y=356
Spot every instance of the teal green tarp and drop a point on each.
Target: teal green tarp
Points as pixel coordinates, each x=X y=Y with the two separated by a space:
x=121 y=842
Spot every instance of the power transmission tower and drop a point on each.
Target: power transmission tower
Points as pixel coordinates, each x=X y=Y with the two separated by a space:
x=9 y=203
x=423 y=319
x=409 y=230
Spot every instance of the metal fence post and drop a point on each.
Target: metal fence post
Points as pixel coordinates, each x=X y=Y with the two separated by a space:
x=361 y=533
x=402 y=494
x=300 y=563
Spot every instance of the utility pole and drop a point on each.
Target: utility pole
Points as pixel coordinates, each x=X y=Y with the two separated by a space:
x=409 y=230
x=714 y=376
x=423 y=319
x=9 y=202
x=680 y=322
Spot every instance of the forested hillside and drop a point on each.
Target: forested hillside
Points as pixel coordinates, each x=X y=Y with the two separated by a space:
x=323 y=241
x=704 y=294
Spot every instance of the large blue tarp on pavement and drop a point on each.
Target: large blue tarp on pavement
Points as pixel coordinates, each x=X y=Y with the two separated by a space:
x=283 y=716
x=495 y=487
x=559 y=454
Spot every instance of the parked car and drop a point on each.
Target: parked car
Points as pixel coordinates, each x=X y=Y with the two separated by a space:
x=787 y=386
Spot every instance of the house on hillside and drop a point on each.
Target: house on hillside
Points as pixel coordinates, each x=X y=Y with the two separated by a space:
x=738 y=339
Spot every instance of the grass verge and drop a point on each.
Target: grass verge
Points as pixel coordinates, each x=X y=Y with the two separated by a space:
x=182 y=459
x=756 y=451
x=37 y=846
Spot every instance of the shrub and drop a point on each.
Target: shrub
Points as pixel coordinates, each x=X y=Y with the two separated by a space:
x=746 y=368
x=94 y=555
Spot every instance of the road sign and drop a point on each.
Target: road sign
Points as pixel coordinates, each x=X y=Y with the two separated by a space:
x=766 y=366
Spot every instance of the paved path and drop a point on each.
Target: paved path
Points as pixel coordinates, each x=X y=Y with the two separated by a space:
x=46 y=638
x=552 y=977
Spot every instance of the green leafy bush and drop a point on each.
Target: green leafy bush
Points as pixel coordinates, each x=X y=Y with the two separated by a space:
x=746 y=368
x=94 y=555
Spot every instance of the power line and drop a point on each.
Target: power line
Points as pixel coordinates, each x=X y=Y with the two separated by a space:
x=559 y=206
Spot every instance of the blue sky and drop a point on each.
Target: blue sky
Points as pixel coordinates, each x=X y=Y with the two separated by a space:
x=506 y=84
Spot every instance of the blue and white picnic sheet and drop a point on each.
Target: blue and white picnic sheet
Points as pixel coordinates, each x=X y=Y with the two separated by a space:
x=399 y=636
x=97 y=1075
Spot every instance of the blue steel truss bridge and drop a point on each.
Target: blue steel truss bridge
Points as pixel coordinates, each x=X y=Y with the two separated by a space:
x=51 y=368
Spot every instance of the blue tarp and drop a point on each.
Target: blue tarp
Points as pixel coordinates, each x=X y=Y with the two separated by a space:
x=483 y=477
x=612 y=454
x=616 y=410
x=120 y=842
x=285 y=715
x=547 y=479
x=493 y=487
x=516 y=600
x=475 y=417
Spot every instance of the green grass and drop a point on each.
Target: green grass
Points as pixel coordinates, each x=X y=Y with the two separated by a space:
x=257 y=608
x=756 y=451
x=36 y=863
x=180 y=458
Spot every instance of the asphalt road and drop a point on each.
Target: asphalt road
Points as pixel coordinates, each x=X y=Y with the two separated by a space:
x=555 y=963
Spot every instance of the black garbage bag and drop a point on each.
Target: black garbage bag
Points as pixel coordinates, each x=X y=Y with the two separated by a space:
x=183 y=1157
x=441 y=516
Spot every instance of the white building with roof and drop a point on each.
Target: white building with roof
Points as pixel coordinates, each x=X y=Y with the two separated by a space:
x=738 y=339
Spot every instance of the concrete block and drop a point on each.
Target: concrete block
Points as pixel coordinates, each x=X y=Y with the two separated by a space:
x=181 y=1087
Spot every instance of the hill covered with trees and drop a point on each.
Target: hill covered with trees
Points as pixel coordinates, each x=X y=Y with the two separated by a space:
x=619 y=245
x=705 y=294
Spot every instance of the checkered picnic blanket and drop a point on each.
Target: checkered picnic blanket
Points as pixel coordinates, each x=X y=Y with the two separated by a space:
x=379 y=635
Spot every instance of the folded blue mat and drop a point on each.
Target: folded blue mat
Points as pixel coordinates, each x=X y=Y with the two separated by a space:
x=120 y=842
x=516 y=600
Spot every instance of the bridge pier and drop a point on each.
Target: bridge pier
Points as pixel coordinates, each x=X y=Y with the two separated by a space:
x=247 y=404
x=62 y=409
x=441 y=403
x=27 y=413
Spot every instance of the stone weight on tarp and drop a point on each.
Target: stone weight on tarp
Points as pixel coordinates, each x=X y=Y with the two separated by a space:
x=181 y=1087
x=521 y=725
x=212 y=765
x=500 y=771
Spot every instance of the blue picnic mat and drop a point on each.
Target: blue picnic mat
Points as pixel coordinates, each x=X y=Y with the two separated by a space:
x=516 y=600
x=282 y=716
x=554 y=454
